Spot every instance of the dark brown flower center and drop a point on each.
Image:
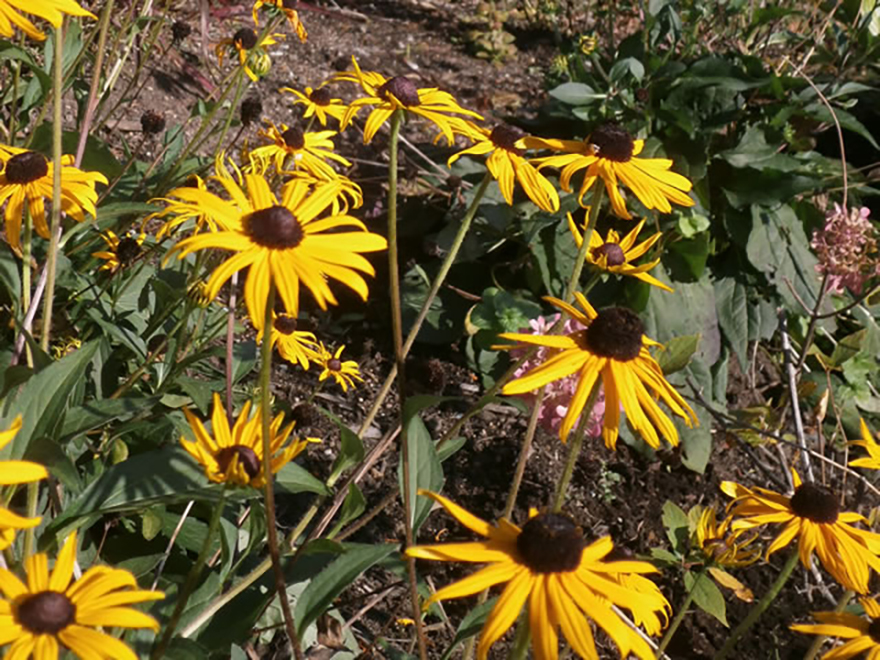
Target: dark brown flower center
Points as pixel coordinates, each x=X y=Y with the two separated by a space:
x=251 y=110
x=612 y=252
x=294 y=137
x=245 y=38
x=333 y=364
x=275 y=227
x=152 y=122
x=127 y=250
x=26 y=167
x=874 y=630
x=815 y=503
x=284 y=324
x=505 y=137
x=615 y=333
x=550 y=543
x=612 y=141
x=180 y=30
x=46 y=612
x=321 y=96
x=247 y=459
x=403 y=89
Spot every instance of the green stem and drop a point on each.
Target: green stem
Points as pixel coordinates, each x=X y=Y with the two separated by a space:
x=816 y=646
x=236 y=99
x=595 y=203
x=682 y=611
x=575 y=449
x=520 y=647
x=192 y=579
x=26 y=272
x=13 y=105
x=33 y=490
x=759 y=608
x=399 y=359
x=55 y=225
x=271 y=524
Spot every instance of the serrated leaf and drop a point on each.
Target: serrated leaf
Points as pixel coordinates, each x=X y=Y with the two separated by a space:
x=334 y=579
x=707 y=596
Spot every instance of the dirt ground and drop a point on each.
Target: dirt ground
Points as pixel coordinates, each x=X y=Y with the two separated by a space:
x=620 y=493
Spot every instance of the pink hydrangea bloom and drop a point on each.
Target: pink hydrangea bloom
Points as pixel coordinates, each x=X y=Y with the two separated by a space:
x=847 y=249
x=559 y=392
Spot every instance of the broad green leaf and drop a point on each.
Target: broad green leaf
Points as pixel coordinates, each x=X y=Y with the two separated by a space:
x=294 y=478
x=42 y=400
x=470 y=625
x=425 y=470
x=677 y=352
x=696 y=441
x=10 y=279
x=675 y=521
x=576 y=93
x=450 y=447
x=733 y=316
x=351 y=451
x=353 y=506
x=707 y=596
x=96 y=413
x=334 y=579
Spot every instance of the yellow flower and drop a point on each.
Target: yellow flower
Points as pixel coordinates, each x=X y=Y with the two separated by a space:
x=27 y=178
x=548 y=564
x=861 y=635
x=872 y=460
x=505 y=146
x=611 y=153
x=299 y=150
x=813 y=516
x=319 y=103
x=250 y=49
x=235 y=456
x=347 y=191
x=720 y=544
x=120 y=252
x=292 y=16
x=614 y=347
x=282 y=242
x=13 y=473
x=616 y=256
x=51 y=611
x=295 y=346
x=50 y=10
x=400 y=93
x=344 y=373
x=185 y=207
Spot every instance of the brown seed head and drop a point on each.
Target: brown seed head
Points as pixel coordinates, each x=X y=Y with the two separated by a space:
x=551 y=543
x=26 y=167
x=45 y=613
x=615 y=333
x=613 y=142
x=275 y=227
x=403 y=89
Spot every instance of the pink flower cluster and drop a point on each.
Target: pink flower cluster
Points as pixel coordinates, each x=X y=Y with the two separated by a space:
x=847 y=249
x=558 y=393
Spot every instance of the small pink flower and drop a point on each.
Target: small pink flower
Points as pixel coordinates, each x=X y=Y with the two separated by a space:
x=558 y=393
x=847 y=249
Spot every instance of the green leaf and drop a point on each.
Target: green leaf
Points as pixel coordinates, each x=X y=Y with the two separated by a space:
x=733 y=316
x=334 y=579
x=351 y=451
x=294 y=478
x=753 y=151
x=97 y=413
x=470 y=625
x=353 y=506
x=689 y=225
x=696 y=441
x=677 y=352
x=675 y=521
x=10 y=279
x=707 y=596
x=848 y=121
x=42 y=400
x=451 y=446
x=575 y=93
x=425 y=470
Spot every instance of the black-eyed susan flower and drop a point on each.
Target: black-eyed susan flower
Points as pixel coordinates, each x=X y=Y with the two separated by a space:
x=293 y=149
x=505 y=146
x=291 y=15
x=284 y=242
x=611 y=153
x=50 y=10
x=51 y=611
x=564 y=580
x=348 y=193
x=235 y=456
x=296 y=346
x=860 y=635
x=27 y=179
x=720 y=544
x=872 y=460
x=120 y=252
x=319 y=103
x=613 y=346
x=344 y=372
x=251 y=51
x=13 y=473
x=182 y=205
x=812 y=515
x=388 y=95
x=617 y=255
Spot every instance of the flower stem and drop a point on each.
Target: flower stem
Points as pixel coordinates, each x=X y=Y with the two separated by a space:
x=520 y=647
x=52 y=257
x=759 y=608
x=595 y=203
x=574 y=450
x=816 y=646
x=33 y=490
x=230 y=344
x=271 y=525
x=192 y=579
x=399 y=359
x=682 y=611
x=26 y=273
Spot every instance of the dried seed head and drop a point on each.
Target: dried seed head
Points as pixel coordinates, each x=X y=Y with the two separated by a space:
x=180 y=30
x=275 y=227
x=26 y=167
x=152 y=122
x=251 y=110
x=45 y=613
x=551 y=543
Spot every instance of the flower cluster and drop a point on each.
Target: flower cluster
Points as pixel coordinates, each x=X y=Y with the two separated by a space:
x=847 y=249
